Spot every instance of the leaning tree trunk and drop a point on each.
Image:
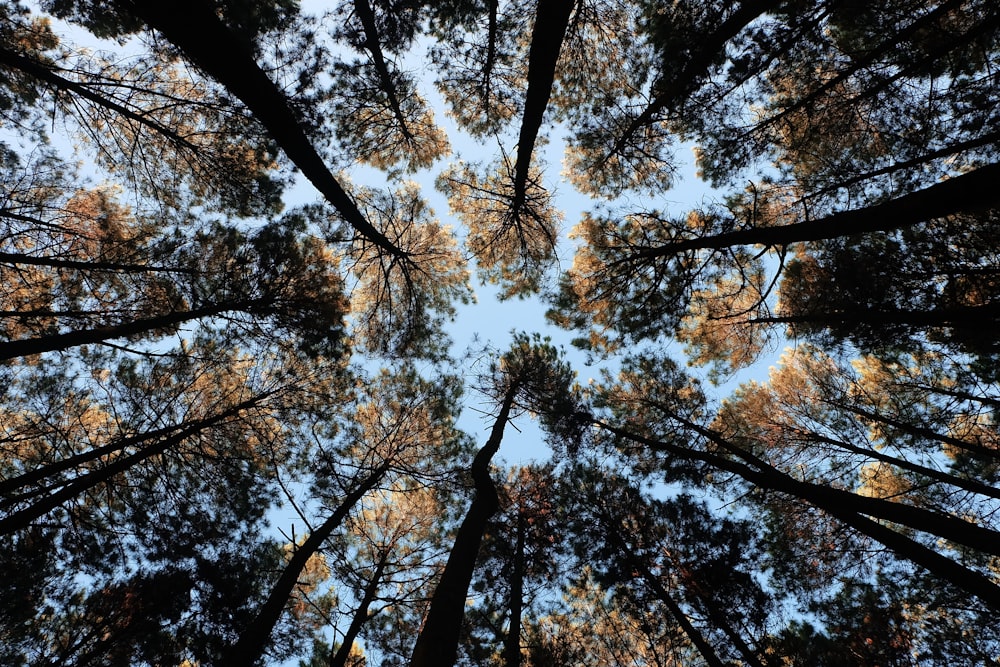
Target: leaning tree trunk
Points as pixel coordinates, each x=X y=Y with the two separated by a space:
x=254 y=640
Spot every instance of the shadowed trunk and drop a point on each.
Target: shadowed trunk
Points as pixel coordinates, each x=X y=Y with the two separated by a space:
x=255 y=638
x=437 y=645
x=339 y=659
x=185 y=429
x=194 y=28
x=547 y=36
x=64 y=341
x=705 y=53
x=22 y=518
x=973 y=191
x=848 y=508
x=512 y=642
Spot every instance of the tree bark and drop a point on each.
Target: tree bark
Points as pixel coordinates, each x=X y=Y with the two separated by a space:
x=339 y=658
x=705 y=53
x=195 y=29
x=551 y=21
x=44 y=472
x=437 y=644
x=512 y=642
x=969 y=192
x=21 y=519
x=254 y=639
x=56 y=342
x=832 y=501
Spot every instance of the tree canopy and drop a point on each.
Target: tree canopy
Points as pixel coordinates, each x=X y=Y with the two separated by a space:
x=238 y=423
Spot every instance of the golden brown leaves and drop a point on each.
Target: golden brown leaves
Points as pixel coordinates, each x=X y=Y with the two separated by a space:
x=399 y=305
x=513 y=238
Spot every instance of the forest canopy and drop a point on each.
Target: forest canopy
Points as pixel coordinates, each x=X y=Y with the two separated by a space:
x=227 y=299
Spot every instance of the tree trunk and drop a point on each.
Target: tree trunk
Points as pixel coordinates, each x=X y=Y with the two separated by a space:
x=551 y=21
x=832 y=501
x=194 y=28
x=512 y=642
x=437 y=644
x=969 y=192
x=339 y=659
x=22 y=518
x=972 y=485
x=663 y=595
x=254 y=639
x=372 y=43
x=185 y=429
x=64 y=341
x=706 y=52
x=958 y=317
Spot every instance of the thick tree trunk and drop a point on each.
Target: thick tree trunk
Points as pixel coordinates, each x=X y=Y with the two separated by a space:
x=551 y=21
x=949 y=527
x=437 y=644
x=957 y=317
x=254 y=639
x=969 y=192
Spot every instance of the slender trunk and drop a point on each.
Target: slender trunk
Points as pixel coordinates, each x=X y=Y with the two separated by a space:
x=946 y=151
x=197 y=31
x=22 y=518
x=339 y=659
x=718 y=618
x=185 y=429
x=437 y=644
x=972 y=485
x=491 y=49
x=21 y=259
x=512 y=642
x=372 y=43
x=707 y=51
x=547 y=36
x=664 y=596
x=860 y=62
x=949 y=527
x=972 y=191
x=955 y=393
x=255 y=637
x=832 y=502
x=48 y=74
x=918 y=430
x=28 y=346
